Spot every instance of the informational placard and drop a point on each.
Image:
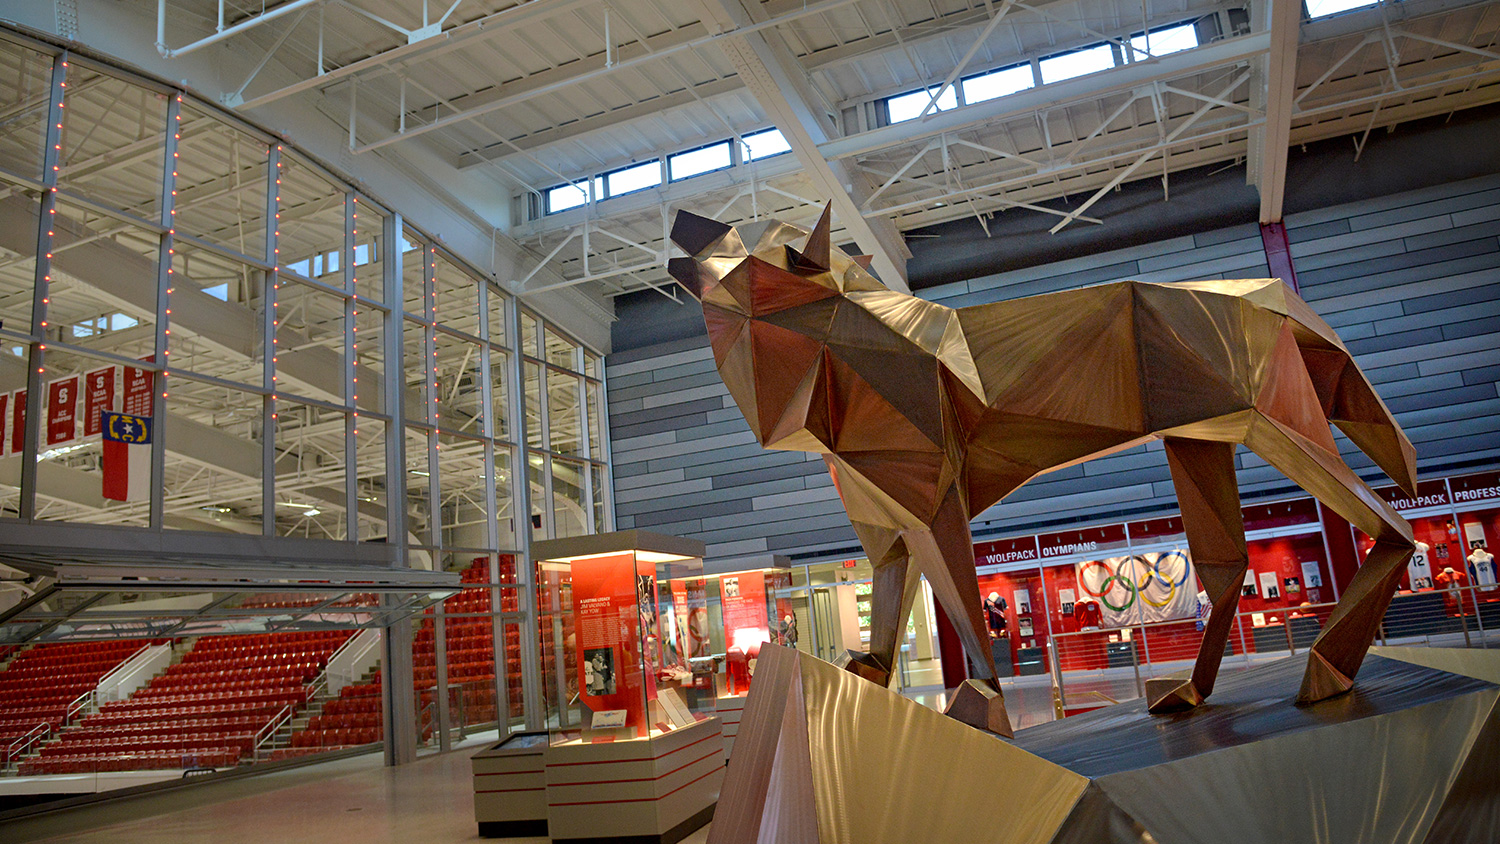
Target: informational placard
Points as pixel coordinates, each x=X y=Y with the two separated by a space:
x=1066 y=599
x=1269 y=588
x=607 y=627
x=607 y=719
x=746 y=620
x=1023 y=601
x=672 y=705
x=1311 y=576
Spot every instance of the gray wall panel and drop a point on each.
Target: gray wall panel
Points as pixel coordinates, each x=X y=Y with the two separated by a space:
x=1411 y=281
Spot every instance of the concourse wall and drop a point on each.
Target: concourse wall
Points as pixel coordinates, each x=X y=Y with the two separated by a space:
x=1410 y=280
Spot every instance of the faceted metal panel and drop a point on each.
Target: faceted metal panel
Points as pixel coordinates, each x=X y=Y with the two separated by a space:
x=1409 y=757
x=927 y=415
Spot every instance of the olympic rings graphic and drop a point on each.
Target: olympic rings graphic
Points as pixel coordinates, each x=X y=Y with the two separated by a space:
x=1156 y=568
x=1171 y=595
x=1141 y=566
x=1123 y=581
x=1103 y=586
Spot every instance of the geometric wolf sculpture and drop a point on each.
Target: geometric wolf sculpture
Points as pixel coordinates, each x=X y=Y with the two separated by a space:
x=927 y=415
x=1408 y=756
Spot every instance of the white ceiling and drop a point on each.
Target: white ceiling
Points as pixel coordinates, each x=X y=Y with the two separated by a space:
x=532 y=94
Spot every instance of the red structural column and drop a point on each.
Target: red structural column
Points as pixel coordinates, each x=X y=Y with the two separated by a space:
x=1279 y=253
x=951 y=650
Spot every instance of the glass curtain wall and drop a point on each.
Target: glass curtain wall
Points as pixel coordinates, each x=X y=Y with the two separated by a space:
x=566 y=439
x=283 y=356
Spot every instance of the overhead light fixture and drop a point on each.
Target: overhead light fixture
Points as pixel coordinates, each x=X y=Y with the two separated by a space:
x=311 y=511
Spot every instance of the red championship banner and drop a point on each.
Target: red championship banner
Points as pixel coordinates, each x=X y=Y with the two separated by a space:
x=98 y=396
x=607 y=617
x=138 y=388
x=4 y=417
x=62 y=410
x=18 y=422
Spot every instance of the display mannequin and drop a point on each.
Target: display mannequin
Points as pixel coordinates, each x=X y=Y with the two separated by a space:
x=1482 y=564
x=994 y=614
x=1420 y=568
x=1087 y=614
x=1450 y=580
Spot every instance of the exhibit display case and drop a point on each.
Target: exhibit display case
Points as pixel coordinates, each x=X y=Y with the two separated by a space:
x=634 y=747
x=748 y=606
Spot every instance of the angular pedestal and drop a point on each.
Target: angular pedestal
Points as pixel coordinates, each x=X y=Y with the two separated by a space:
x=655 y=791
x=1408 y=756
x=510 y=787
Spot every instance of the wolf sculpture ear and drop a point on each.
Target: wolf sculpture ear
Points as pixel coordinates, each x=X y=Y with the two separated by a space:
x=685 y=270
x=817 y=255
x=695 y=234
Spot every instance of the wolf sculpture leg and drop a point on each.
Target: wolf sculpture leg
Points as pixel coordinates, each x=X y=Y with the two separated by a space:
x=1336 y=655
x=891 y=597
x=1203 y=475
x=945 y=555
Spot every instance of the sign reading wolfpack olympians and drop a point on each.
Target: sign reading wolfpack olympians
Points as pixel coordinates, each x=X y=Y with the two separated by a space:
x=1141 y=588
x=127 y=456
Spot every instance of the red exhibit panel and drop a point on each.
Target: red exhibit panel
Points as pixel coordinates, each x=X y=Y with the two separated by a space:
x=609 y=632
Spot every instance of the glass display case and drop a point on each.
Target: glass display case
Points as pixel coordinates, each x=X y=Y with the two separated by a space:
x=752 y=609
x=624 y=625
x=630 y=687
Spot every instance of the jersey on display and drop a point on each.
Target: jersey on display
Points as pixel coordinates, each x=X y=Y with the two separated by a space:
x=1420 y=568
x=1483 y=564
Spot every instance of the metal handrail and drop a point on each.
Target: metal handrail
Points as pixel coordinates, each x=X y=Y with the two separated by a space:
x=13 y=753
x=111 y=676
x=265 y=733
x=1408 y=618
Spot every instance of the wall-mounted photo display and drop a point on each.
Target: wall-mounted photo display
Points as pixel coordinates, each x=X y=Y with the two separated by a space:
x=1248 y=590
x=1269 y=588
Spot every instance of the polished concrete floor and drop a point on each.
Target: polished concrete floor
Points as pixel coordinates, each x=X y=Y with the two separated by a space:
x=354 y=799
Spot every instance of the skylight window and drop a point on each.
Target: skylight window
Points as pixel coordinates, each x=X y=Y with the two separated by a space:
x=685 y=165
x=903 y=107
x=563 y=197
x=997 y=83
x=639 y=177
x=1172 y=39
x=1077 y=63
x=764 y=144
x=218 y=291
x=1324 y=8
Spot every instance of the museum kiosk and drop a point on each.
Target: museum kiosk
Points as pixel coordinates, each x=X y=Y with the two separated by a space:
x=634 y=748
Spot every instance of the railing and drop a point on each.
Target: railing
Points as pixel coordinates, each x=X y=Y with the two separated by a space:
x=349 y=663
x=127 y=674
x=1114 y=663
x=22 y=745
x=268 y=732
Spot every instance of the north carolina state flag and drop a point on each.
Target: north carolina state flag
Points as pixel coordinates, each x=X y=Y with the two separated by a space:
x=127 y=456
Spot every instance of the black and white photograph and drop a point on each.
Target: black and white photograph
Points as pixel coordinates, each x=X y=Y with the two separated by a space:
x=599 y=671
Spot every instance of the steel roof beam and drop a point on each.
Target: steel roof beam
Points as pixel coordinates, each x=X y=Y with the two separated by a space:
x=1276 y=91
x=783 y=89
x=1080 y=89
x=529 y=93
